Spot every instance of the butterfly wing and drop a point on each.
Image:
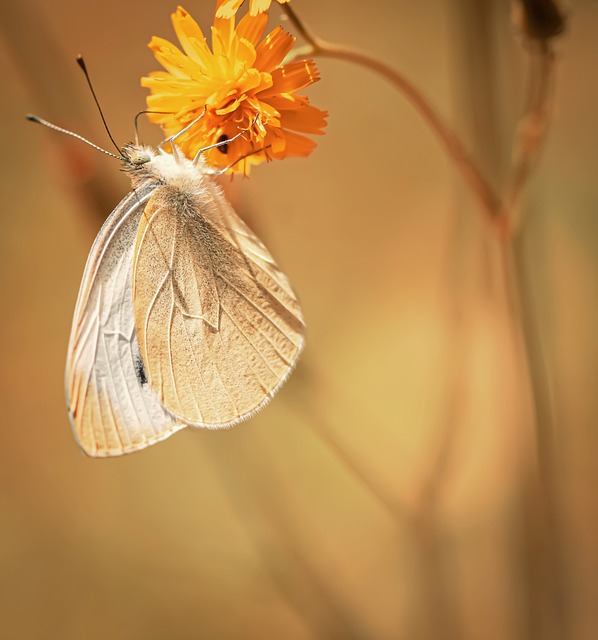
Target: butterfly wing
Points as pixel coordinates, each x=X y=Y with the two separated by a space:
x=219 y=326
x=112 y=408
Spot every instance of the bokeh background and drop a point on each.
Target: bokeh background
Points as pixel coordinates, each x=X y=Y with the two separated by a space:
x=389 y=490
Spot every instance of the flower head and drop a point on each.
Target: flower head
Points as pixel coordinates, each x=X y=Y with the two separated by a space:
x=237 y=86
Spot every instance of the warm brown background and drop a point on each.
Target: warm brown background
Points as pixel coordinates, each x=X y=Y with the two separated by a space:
x=385 y=493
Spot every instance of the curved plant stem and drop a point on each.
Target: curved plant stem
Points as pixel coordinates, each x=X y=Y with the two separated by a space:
x=283 y=538
x=324 y=432
x=501 y=211
x=532 y=129
x=490 y=203
x=549 y=544
x=92 y=184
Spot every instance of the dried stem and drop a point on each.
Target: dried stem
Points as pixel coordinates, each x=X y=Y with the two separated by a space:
x=308 y=587
x=94 y=185
x=550 y=544
x=501 y=214
x=325 y=432
x=532 y=129
x=550 y=587
x=490 y=203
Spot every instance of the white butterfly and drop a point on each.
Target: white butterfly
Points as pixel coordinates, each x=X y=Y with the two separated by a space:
x=183 y=317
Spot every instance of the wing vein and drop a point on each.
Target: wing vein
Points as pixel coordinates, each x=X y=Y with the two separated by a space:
x=110 y=381
x=257 y=308
x=170 y=359
x=259 y=353
x=199 y=411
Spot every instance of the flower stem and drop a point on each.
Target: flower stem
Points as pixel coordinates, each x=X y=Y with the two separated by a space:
x=550 y=588
x=284 y=539
x=549 y=544
x=490 y=203
x=532 y=128
x=501 y=212
x=325 y=432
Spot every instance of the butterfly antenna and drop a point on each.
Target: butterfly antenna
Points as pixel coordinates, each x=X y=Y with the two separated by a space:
x=137 y=121
x=81 y=63
x=74 y=135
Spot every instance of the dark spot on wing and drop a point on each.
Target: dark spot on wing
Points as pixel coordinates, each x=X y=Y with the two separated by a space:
x=223 y=148
x=140 y=371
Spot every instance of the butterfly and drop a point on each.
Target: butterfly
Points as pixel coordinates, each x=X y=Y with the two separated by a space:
x=183 y=318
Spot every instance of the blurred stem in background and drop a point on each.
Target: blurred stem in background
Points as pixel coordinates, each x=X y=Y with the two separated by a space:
x=490 y=204
x=282 y=533
x=539 y=22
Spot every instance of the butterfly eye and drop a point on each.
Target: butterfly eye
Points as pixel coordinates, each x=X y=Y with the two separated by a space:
x=140 y=157
x=136 y=156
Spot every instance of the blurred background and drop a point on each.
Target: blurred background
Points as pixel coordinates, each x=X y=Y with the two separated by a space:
x=390 y=490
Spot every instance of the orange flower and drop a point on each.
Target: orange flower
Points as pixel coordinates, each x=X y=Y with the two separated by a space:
x=238 y=86
x=228 y=8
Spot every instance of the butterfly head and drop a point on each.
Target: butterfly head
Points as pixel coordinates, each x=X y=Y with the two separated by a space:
x=146 y=164
x=135 y=157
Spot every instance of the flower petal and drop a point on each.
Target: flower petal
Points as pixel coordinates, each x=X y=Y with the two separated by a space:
x=223 y=32
x=307 y=119
x=173 y=59
x=292 y=77
x=190 y=35
x=227 y=8
x=258 y=6
x=272 y=51
x=252 y=27
x=298 y=146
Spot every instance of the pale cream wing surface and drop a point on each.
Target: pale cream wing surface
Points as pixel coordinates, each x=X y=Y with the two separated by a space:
x=219 y=326
x=112 y=408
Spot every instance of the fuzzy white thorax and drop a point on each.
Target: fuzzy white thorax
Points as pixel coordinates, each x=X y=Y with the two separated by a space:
x=145 y=163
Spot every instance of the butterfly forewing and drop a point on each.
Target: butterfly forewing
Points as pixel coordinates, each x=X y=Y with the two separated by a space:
x=113 y=410
x=219 y=326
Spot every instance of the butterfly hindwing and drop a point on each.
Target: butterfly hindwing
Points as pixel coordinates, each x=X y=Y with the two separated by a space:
x=219 y=326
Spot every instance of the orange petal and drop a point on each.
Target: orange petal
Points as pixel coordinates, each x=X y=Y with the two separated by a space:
x=163 y=103
x=258 y=6
x=252 y=27
x=191 y=37
x=227 y=8
x=272 y=51
x=245 y=53
x=222 y=38
x=173 y=59
x=308 y=119
x=292 y=77
x=223 y=34
x=230 y=107
x=287 y=101
x=156 y=75
x=297 y=145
